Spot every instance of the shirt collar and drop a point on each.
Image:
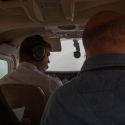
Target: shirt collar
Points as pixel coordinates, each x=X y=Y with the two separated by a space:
x=101 y=61
x=28 y=65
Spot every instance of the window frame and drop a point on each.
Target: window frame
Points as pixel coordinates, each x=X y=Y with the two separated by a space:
x=10 y=60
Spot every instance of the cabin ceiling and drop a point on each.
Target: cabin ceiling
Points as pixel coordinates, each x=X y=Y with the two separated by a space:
x=49 y=18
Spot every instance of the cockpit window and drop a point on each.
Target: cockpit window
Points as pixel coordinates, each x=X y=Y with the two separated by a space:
x=3 y=68
x=65 y=60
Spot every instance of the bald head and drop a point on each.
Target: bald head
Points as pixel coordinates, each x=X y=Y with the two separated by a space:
x=102 y=17
x=104 y=33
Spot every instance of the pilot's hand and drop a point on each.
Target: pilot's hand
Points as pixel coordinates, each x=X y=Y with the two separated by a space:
x=53 y=75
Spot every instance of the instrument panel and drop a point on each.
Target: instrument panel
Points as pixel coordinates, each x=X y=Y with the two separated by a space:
x=63 y=76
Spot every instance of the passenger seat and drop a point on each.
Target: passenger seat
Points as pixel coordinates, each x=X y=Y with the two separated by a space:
x=7 y=117
x=29 y=96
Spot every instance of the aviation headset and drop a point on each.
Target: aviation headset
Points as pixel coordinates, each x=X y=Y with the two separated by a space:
x=38 y=52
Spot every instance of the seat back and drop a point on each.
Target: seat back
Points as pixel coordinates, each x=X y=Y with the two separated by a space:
x=7 y=117
x=29 y=96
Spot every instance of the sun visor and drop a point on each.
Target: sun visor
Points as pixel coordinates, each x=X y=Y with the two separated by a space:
x=55 y=43
x=8 y=50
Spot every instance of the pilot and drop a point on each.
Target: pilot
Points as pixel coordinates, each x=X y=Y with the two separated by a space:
x=34 y=58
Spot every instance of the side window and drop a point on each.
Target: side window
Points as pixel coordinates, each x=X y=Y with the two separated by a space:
x=3 y=68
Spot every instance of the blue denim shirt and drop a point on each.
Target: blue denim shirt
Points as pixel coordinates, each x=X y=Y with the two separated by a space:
x=95 y=97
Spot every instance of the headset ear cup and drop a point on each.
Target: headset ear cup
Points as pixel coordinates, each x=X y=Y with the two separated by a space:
x=38 y=52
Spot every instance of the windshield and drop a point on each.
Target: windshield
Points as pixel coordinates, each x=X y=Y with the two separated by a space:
x=65 y=60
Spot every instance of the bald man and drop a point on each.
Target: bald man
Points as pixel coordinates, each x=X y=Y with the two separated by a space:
x=97 y=95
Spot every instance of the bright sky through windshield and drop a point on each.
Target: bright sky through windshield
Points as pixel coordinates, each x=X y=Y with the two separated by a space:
x=65 y=60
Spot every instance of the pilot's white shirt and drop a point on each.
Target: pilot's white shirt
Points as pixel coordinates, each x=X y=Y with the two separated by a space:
x=27 y=73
